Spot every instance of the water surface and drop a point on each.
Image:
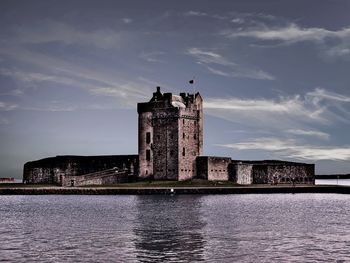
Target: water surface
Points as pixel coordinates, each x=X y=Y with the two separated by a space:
x=187 y=228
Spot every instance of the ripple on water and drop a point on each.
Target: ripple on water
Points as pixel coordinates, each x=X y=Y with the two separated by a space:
x=193 y=228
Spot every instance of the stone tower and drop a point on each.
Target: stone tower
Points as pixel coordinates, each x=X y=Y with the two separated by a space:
x=170 y=136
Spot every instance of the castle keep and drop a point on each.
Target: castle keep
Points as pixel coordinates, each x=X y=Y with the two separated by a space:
x=170 y=147
x=170 y=136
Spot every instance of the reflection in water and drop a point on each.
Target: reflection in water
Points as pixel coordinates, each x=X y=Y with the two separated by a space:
x=210 y=228
x=168 y=228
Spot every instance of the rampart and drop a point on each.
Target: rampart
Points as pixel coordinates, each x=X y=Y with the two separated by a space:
x=52 y=170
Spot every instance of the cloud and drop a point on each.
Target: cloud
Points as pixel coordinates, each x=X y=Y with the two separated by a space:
x=203 y=14
x=290 y=33
x=4 y=121
x=314 y=106
x=152 y=57
x=238 y=20
x=320 y=94
x=319 y=134
x=127 y=20
x=332 y=43
x=5 y=106
x=51 y=32
x=195 y=13
x=211 y=59
x=127 y=92
x=291 y=149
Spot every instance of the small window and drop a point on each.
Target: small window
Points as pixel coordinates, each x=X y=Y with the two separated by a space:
x=195 y=122
x=171 y=152
x=183 y=135
x=148 y=155
x=158 y=136
x=194 y=136
x=183 y=151
x=146 y=172
x=148 y=137
x=183 y=121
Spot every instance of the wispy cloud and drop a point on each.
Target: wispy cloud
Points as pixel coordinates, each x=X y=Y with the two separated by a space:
x=5 y=106
x=153 y=57
x=203 y=14
x=332 y=43
x=4 y=121
x=127 y=20
x=291 y=149
x=58 y=32
x=313 y=133
x=211 y=59
x=128 y=93
x=313 y=106
x=291 y=33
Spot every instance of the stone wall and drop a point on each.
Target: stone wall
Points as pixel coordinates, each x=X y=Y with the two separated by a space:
x=213 y=168
x=165 y=146
x=145 y=144
x=277 y=172
x=175 y=124
x=105 y=177
x=241 y=173
x=188 y=143
x=50 y=170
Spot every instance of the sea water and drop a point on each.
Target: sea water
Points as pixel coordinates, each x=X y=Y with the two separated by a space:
x=186 y=228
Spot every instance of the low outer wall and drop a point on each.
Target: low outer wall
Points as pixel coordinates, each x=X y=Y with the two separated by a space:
x=241 y=173
x=284 y=173
x=213 y=168
x=51 y=170
x=108 y=177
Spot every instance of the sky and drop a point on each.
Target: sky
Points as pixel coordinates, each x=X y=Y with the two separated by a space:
x=274 y=76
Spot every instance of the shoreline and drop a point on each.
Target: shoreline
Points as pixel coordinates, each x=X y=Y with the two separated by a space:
x=115 y=190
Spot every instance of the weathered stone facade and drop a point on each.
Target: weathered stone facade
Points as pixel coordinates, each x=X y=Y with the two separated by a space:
x=170 y=136
x=213 y=168
x=271 y=172
x=241 y=173
x=54 y=170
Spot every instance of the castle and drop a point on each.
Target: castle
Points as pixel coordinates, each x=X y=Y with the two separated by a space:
x=170 y=147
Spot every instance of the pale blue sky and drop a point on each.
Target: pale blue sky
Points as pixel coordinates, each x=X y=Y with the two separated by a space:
x=274 y=76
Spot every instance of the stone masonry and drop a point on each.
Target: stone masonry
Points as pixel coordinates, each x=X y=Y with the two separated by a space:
x=170 y=136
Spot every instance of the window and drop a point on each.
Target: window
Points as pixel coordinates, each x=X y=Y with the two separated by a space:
x=194 y=136
x=148 y=155
x=183 y=135
x=183 y=151
x=195 y=122
x=158 y=136
x=148 y=137
x=183 y=121
x=171 y=152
